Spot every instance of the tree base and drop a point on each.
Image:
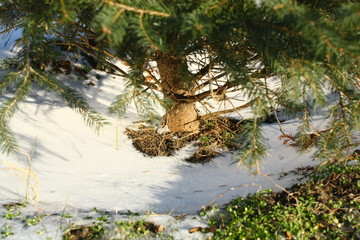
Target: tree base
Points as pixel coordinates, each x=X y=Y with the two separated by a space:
x=183 y=117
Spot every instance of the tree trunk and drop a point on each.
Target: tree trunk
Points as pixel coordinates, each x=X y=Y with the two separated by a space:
x=182 y=116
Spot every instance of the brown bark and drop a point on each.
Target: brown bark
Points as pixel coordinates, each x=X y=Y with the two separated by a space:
x=170 y=67
x=182 y=116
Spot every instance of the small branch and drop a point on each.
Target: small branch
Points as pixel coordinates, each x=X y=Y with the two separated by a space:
x=152 y=86
x=226 y=111
x=141 y=23
x=279 y=123
x=63 y=9
x=7 y=30
x=201 y=96
x=277 y=185
x=158 y=85
x=71 y=43
x=201 y=86
x=98 y=50
x=228 y=190
x=118 y=14
x=123 y=73
x=137 y=10
x=205 y=70
x=273 y=107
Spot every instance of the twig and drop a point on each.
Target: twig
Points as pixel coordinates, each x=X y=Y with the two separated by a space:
x=226 y=111
x=228 y=190
x=137 y=10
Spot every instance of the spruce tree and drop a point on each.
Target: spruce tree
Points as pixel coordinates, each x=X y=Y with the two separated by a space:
x=193 y=51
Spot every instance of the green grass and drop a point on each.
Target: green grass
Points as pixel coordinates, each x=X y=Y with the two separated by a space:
x=140 y=230
x=326 y=207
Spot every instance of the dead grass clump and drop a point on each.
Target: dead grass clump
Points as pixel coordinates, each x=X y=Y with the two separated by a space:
x=149 y=141
x=216 y=135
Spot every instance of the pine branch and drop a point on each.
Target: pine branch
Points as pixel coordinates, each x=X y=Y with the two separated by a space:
x=145 y=107
x=201 y=96
x=11 y=78
x=226 y=111
x=7 y=140
x=121 y=103
x=252 y=150
x=333 y=144
x=144 y=102
x=205 y=70
x=8 y=30
x=82 y=48
x=73 y=99
x=63 y=9
x=87 y=45
x=8 y=143
x=137 y=10
x=209 y=81
x=147 y=36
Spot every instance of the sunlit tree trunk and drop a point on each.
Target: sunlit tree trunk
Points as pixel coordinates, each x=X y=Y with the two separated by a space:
x=182 y=116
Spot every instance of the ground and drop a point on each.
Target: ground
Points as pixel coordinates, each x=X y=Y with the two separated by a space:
x=67 y=176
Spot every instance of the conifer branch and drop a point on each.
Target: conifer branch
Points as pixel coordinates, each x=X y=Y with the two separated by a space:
x=148 y=38
x=118 y=14
x=11 y=78
x=74 y=100
x=205 y=70
x=209 y=115
x=7 y=140
x=145 y=107
x=63 y=9
x=7 y=30
x=121 y=102
x=201 y=96
x=21 y=92
x=137 y=10
x=255 y=145
x=144 y=102
x=252 y=149
x=209 y=81
x=109 y=54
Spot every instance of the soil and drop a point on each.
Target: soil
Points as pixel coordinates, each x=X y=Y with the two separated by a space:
x=215 y=136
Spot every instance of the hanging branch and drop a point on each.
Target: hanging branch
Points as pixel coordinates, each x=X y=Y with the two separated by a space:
x=74 y=100
x=7 y=139
x=253 y=150
x=72 y=43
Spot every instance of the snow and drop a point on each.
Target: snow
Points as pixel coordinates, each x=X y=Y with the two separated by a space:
x=7 y=44
x=74 y=170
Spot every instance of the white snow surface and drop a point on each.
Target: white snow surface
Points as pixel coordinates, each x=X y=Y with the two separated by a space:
x=75 y=170
x=7 y=44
